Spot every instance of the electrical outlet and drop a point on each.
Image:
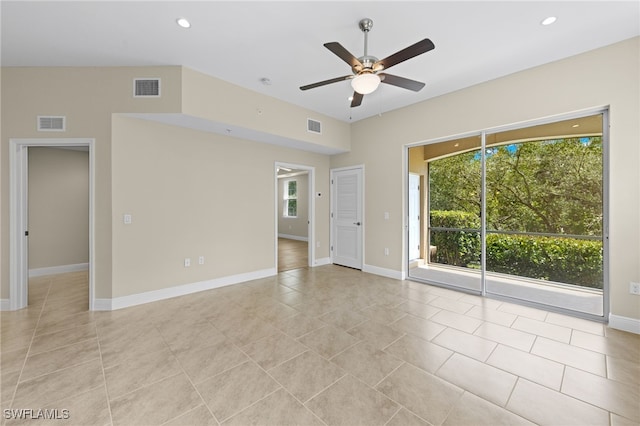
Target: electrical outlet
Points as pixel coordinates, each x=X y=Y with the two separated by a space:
x=201 y=260
x=634 y=288
x=187 y=262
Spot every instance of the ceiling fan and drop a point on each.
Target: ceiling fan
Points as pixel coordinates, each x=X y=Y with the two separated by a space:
x=367 y=69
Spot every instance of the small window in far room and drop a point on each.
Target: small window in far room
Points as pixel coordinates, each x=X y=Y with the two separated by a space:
x=290 y=208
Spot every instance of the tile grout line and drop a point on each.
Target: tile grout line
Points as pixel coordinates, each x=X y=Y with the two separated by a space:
x=63 y=346
x=303 y=404
x=390 y=344
x=400 y=405
x=33 y=336
x=188 y=377
x=265 y=396
x=104 y=377
x=390 y=373
x=252 y=404
x=60 y=369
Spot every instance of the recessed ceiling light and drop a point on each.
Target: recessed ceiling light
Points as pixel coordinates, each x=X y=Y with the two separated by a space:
x=575 y=125
x=548 y=21
x=183 y=22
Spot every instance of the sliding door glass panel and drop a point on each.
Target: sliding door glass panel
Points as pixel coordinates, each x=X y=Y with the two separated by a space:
x=451 y=177
x=544 y=214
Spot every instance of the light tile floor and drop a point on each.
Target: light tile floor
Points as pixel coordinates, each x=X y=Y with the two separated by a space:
x=292 y=254
x=321 y=346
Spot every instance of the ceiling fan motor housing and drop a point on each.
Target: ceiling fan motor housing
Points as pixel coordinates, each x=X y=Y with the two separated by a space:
x=367 y=65
x=366 y=24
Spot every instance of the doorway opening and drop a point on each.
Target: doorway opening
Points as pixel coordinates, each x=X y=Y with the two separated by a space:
x=294 y=207
x=518 y=213
x=43 y=264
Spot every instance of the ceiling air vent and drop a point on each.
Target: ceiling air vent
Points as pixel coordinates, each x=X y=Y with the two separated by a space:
x=314 y=126
x=146 y=87
x=48 y=123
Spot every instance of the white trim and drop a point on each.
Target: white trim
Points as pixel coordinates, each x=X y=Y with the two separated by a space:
x=18 y=256
x=323 y=261
x=62 y=269
x=293 y=237
x=181 y=290
x=632 y=325
x=384 y=272
x=5 y=305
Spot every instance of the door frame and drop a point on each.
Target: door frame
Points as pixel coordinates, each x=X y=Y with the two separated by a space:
x=311 y=246
x=332 y=205
x=409 y=220
x=18 y=214
x=606 y=292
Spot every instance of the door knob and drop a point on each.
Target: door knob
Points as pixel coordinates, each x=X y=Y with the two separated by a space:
x=356 y=223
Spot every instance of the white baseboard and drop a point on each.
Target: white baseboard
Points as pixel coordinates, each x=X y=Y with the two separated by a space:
x=181 y=290
x=293 y=237
x=389 y=273
x=102 y=304
x=631 y=325
x=4 y=305
x=62 y=269
x=322 y=261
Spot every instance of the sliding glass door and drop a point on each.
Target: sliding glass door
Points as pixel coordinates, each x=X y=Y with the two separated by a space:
x=526 y=220
x=451 y=251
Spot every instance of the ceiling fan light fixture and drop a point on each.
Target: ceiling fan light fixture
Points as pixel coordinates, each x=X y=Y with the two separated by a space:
x=365 y=83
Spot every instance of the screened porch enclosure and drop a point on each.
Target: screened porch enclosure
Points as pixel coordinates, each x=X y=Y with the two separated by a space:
x=518 y=213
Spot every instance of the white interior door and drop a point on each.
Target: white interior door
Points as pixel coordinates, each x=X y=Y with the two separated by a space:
x=414 y=216
x=347 y=217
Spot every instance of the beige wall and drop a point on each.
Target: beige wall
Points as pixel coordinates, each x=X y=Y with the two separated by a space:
x=58 y=207
x=223 y=102
x=296 y=226
x=195 y=194
x=603 y=77
x=87 y=97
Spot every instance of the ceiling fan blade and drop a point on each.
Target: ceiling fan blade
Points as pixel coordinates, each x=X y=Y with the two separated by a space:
x=416 y=49
x=357 y=99
x=325 y=82
x=343 y=54
x=405 y=83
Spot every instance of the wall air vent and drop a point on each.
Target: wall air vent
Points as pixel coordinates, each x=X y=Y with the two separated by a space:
x=314 y=126
x=48 y=123
x=146 y=87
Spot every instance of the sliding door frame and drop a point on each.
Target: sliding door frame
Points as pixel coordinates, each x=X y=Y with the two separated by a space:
x=604 y=111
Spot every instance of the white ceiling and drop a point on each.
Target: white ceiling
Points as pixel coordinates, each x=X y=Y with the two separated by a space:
x=242 y=42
